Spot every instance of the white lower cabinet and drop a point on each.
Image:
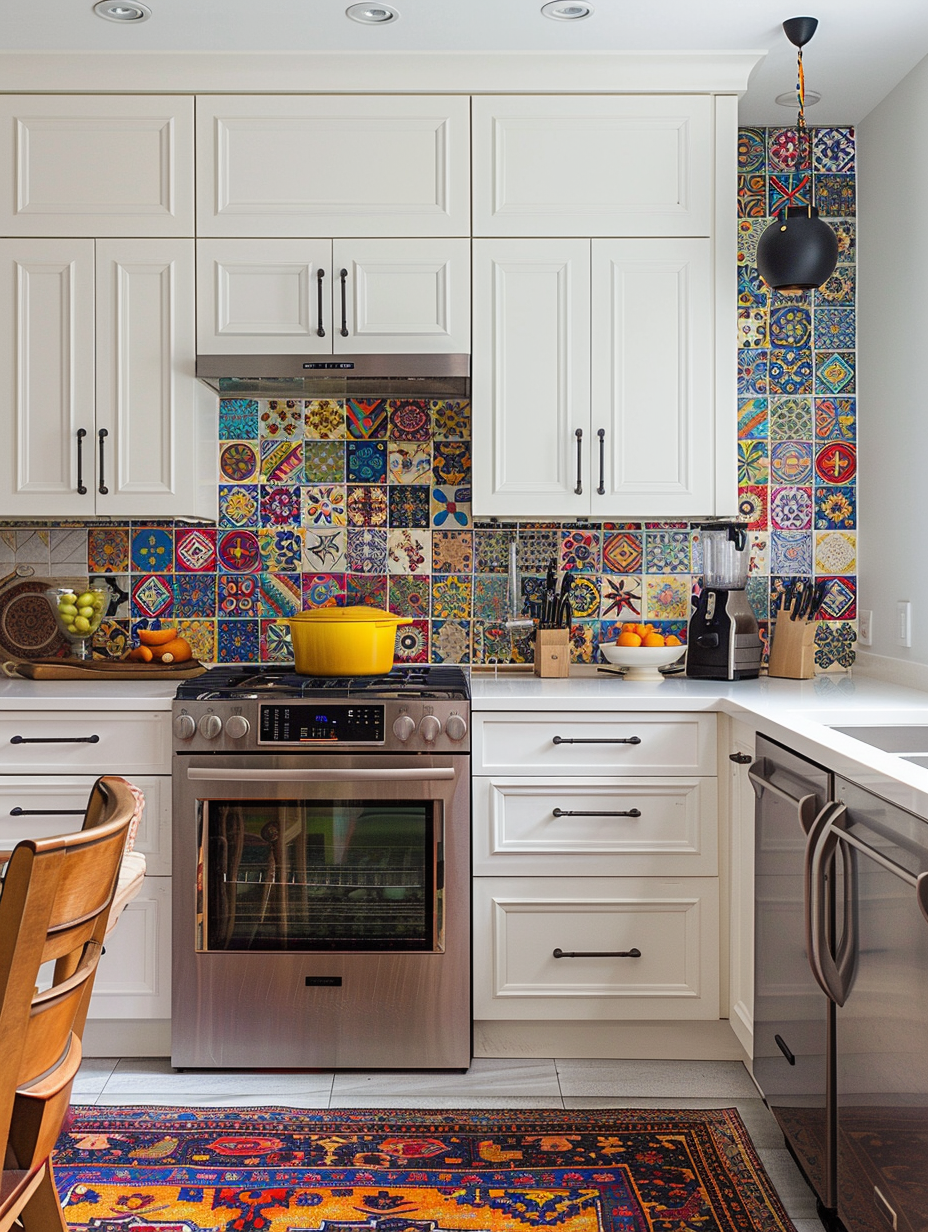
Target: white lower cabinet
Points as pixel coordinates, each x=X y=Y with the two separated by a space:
x=596 y=888
x=50 y=763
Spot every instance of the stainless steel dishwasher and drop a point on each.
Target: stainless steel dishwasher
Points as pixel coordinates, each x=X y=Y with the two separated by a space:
x=793 y=1021
x=874 y=967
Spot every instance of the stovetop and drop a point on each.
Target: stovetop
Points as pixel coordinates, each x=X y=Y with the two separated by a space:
x=239 y=681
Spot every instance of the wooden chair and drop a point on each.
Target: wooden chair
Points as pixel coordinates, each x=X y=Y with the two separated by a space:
x=55 y=906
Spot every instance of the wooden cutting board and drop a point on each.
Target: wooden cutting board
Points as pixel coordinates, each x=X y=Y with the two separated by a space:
x=102 y=669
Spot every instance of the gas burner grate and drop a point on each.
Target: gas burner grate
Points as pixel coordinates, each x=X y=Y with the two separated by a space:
x=442 y=681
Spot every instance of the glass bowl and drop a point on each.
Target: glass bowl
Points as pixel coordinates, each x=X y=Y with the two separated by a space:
x=642 y=661
x=78 y=613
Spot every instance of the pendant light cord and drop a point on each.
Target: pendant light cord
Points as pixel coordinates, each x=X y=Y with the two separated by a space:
x=802 y=133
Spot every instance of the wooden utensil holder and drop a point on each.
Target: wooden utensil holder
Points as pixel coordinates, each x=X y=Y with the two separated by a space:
x=552 y=652
x=792 y=652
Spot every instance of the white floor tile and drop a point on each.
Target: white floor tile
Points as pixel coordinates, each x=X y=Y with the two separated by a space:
x=200 y=1099
x=695 y=1079
x=92 y=1076
x=156 y=1077
x=498 y=1079
x=789 y=1183
x=460 y=1100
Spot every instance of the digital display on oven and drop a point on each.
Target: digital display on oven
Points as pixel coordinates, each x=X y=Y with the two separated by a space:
x=320 y=723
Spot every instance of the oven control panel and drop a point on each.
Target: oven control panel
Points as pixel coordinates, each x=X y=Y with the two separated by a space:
x=319 y=723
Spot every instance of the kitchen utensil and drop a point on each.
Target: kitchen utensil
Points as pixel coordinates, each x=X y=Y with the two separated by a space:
x=814 y=600
x=549 y=605
x=723 y=641
x=28 y=629
x=18 y=572
x=798 y=600
x=642 y=662
x=343 y=641
x=563 y=617
x=76 y=620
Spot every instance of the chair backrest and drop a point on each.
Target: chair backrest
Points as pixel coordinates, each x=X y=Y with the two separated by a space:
x=53 y=908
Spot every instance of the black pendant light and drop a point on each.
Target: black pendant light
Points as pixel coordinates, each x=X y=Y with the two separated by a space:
x=798 y=251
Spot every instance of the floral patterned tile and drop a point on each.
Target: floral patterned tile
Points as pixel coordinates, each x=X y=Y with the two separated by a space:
x=790 y=326
x=749 y=232
x=450 y=506
x=367 y=505
x=791 y=462
x=753 y=463
x=451 y=462
x=324 y=461
x=753 y=502
x=366 y=418
x=108 y=549
x=324 y=506
x=791 y=419
x=237 y=594
x=791 y=552
x=450 y=419
x=409 y=505
x=835 y=372
x=791 y=508
x=367 y=550
x=194 y=595
x=238 y=418
x=195 y=550
x=752 y=371
x=833 y=149
x=836 y=328
x=412 y=642
x=366 y=589
x=367 y=461
x=835 y=551
x=790 y=371
x=622 y=598
x=752 y=327
x=751 y=149
x=835 y=508
x=783 y=152
x=752 y=196
x=281 y=548
x=453 y=551
x=835 y=195
x=451 y=596
x=753 y=418
x=836 y=419
x=240 y=461
x=280 y=505
x=580 y=550
x=667 y=552
x=409 y=462
x=152 y=550
x=323 y=590
x=409 y=420
x=450 y=641
x=276 y=646
x=280 y=418
x=410 y=595
x=836 y=463
x=324 y=419
x=201 y=634
x=238 y=551
x=409 y=550
x=834 y=644
x=667 y=597
x=238 y=641
x=239 y=505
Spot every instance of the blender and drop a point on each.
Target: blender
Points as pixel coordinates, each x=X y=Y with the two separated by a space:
x=723 y=641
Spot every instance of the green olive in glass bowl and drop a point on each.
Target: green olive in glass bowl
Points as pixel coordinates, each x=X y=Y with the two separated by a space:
x=78 y=612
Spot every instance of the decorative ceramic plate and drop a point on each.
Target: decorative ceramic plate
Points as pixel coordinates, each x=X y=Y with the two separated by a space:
x=28 y=629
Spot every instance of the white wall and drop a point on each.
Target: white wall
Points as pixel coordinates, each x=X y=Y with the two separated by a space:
x=892 y=339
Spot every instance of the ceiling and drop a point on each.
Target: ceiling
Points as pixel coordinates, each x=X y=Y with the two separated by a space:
x=860 y=52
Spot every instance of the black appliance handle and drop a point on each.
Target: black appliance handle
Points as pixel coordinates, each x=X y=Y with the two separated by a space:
x=833 y=971
x=320 y=327
x=81 y=486
x=806 y=806
x=578 y=490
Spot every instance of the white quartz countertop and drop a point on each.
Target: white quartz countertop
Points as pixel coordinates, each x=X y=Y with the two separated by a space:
x=798 y=713
x=86 y=694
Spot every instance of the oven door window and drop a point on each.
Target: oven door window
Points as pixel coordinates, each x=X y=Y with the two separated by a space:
x=320 y=875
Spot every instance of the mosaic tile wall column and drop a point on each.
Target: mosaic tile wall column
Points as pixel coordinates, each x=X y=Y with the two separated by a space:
x=369 y=501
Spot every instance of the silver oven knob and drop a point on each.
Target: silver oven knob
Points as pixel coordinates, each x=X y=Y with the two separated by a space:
x=456 y=727
x=430 y=728
x=237 y=726
x=184 y=726
x=210 y=726
x=403 y=727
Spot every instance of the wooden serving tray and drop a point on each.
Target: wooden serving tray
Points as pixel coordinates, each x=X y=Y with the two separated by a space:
x=102 y=669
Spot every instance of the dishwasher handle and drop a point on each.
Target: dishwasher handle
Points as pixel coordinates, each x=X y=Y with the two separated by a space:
x=834 y=970
x=806 y=806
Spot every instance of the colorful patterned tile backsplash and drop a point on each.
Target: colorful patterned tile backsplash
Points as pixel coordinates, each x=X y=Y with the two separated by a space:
x=369 y=500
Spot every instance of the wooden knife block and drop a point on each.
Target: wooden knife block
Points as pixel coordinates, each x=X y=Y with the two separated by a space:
x=552 y=652
x=792 y=651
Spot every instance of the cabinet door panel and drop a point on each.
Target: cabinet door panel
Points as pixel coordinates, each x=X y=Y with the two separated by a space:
x=262 y=297
x=134 y=976
x=596 y=922
x=406 y=296
x=621 y=165
x=652 y=377
x=47 y=332
x=333 y=166
x=531 y=389
x=85 y=165
x=146 y=389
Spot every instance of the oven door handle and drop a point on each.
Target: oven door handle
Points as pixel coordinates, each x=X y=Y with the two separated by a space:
x=308 y=775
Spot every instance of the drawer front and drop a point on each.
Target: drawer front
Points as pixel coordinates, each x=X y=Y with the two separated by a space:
x=578 y=743
x=56 y=806
x=86 y=742
x=581 y=826
x=520 y=922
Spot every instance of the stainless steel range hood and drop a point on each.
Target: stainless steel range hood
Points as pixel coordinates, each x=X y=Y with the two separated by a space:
x=336 y=376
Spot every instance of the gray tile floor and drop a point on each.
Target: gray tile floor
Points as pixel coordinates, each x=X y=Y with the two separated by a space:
x=503 y=1083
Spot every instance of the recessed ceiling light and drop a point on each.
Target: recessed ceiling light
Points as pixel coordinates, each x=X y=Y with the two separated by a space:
x=566 y=10
x=122 y=10
x=371 y=14
x=789 y=98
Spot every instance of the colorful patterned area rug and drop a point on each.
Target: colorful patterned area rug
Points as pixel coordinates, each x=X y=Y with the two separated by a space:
x=288 y=1170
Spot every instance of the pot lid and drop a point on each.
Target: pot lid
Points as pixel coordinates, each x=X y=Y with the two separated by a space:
x=358 y=614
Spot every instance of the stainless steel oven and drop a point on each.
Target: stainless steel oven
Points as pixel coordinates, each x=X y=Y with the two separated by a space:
x=321 y=880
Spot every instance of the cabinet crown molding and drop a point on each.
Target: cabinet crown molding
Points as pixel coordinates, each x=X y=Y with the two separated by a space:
x=411 y=72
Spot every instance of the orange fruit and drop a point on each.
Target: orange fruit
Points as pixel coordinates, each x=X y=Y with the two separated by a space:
x=177 y=650
x=628 y=639
x=156 y=637
x=141 y=653
x=670 y=640
x=654 y=639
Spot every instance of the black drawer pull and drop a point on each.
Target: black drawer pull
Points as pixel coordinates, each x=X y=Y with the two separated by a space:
x=596 y=953
x=778 y=1040
x=575 y=813
x=54 y=739
x=21 y=812
x=597 y=740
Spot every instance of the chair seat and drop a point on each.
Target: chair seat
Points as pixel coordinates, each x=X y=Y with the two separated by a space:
x=131 y=877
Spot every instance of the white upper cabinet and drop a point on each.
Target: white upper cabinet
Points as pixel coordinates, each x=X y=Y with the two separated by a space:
x=106 y=417
x=305 y=165
x=592 y=385
x=95 y=165
x=625 y=165
x=322 y=297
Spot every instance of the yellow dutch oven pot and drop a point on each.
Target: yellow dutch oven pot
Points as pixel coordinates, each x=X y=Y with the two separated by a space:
x=343 y=641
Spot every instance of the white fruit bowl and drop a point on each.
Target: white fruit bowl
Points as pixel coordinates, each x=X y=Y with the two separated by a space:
x=642 y=661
